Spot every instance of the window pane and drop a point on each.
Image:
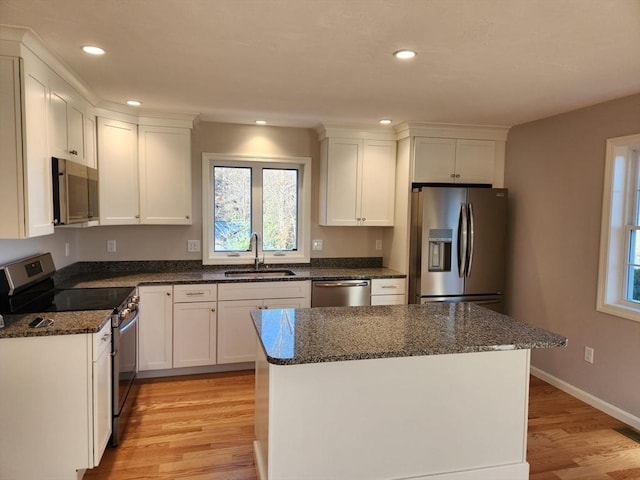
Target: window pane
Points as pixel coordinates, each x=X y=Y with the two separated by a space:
x=279 y=209
x=232 y=207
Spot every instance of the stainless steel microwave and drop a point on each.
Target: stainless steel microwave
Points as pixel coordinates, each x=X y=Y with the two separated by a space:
x=75 y=192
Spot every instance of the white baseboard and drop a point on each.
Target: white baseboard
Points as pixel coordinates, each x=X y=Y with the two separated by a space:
x=587 y=398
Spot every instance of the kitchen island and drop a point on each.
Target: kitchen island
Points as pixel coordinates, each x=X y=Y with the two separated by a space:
x=436 y=391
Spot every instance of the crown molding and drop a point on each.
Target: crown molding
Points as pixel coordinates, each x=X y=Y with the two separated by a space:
x=355 y=131
x=451 y=130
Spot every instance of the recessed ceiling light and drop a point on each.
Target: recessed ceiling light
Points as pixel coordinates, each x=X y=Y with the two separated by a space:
x=134 y=103
x=385 y=121
x=261 y=122
x=404 y=54
x=90 y=49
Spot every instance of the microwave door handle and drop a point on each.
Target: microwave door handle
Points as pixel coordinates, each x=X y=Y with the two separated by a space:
x=462 y=240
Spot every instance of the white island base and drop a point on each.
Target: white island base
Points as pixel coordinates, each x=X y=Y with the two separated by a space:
x=436 y=417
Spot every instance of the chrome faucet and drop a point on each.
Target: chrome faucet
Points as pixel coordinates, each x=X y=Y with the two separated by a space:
x=254 y=241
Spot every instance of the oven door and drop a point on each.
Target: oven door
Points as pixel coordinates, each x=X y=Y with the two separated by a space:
x=125 y=368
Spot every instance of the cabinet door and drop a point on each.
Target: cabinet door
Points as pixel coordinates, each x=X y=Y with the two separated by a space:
x=66 y=121
x=434 y=160
x=118 y=166
x=155 y=334
x=102 y=413
x=475 y=160
x=287 y=303
x=11 y=195
x=339 y=196
x=90 y=153
x=378 y=182
x=37 y=172
x=194 y=334
x=59 y=106
x=165 y=175
x=76 y=131
x=236 y=334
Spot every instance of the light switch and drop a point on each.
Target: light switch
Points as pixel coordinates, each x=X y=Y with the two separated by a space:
x=316 y=245
x=111 y=246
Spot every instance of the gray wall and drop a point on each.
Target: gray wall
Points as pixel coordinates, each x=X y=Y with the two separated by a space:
x=150 y=242
x=555 y=173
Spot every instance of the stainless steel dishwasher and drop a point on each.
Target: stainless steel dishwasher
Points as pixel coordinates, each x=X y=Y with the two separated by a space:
x=341 y=293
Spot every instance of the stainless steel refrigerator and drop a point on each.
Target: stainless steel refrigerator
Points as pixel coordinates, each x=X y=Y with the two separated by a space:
x=457 y=245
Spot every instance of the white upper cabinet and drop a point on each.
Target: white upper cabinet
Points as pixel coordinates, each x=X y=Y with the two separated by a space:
x=25 y=163
x=67 y=121
x=165 y=175
x=145 y=174
x=357 y=182
x=449 y=160
x=118 y=172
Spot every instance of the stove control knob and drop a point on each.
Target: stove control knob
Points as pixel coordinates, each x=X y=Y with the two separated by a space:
x=124 y=313
x=131 y=306
x=135 y=299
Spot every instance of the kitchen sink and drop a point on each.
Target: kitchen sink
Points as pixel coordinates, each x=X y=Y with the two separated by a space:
x=258 y=273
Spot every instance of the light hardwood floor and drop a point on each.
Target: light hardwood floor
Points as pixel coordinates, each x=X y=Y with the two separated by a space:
x=201 y=428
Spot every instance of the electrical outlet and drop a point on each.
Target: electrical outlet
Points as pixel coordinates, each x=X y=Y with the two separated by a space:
x=111 y=246
x=316 y=245
x=588 y=354
x=193 y=245
x=378 y=244
x=67 y=249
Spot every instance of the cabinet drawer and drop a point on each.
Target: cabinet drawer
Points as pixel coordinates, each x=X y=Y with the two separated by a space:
x=388 y=286
x=102 y=340
x=261 y=290
x=387 y=300
x=201 y=292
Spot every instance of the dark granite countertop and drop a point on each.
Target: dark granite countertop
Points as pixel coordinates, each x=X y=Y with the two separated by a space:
x=299 y=336
x=216 y=275
x=133 y=274
x=64 y=323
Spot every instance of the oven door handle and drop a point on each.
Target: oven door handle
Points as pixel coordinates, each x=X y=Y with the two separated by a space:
x=123 y=328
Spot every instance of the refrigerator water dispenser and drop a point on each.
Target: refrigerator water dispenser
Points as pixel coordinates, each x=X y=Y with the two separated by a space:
x=440 y=249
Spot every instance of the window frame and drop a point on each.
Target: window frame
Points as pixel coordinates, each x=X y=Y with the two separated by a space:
x=302 y=164
x=619 y=204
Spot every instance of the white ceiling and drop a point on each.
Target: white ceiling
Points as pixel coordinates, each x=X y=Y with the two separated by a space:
x=305 y=62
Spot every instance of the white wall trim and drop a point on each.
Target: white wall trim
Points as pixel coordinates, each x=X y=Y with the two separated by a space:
x=452 y=130
x=587 y=398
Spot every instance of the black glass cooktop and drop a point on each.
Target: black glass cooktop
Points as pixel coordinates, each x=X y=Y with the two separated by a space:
x=70 y=300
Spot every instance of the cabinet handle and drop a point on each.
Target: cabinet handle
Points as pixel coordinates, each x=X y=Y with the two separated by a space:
x=189 y=294
x=168 y=294
x=187 y=217
x=453 y=175
x=388 y=286
x=137 y=216
x=213 y=309
x=73 y=152
x=457 y=175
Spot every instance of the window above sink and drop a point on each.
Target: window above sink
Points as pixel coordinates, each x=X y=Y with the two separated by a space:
x=263 y=194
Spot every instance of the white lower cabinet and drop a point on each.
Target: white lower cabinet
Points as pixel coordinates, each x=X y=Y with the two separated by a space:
x=56 y=404
x=178 y=326
x=194 y=325
x=388 y=291
x=155 y=329
x=236 y=333
x=102 y=385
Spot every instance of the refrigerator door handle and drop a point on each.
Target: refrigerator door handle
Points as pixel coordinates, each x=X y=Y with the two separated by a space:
x=462 y=240
x=471 y=239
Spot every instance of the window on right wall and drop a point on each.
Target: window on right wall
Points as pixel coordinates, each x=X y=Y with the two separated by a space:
x=619 y=273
